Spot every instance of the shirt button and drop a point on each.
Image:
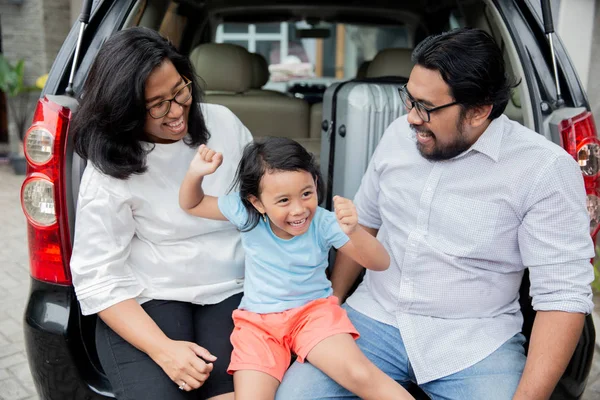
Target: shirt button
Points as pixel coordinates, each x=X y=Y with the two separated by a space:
x=429 y=189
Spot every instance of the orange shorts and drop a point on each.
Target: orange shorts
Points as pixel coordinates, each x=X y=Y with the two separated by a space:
x=264 y=342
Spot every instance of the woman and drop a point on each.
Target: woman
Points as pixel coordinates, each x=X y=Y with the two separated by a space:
x=163 y=283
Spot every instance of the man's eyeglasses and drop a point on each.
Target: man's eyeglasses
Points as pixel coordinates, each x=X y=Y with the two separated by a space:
x=423 y=112
x=182 y=96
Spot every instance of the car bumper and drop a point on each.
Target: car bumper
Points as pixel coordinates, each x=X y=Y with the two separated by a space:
x=58 y=360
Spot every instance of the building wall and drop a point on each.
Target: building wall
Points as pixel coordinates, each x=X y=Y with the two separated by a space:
x=75 y=10
x=33 y=31
x=593 y=87
x=57 y=24
x=22 y=37
x=575 y=27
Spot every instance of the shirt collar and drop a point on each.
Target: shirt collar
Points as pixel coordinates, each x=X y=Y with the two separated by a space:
x=490 y=140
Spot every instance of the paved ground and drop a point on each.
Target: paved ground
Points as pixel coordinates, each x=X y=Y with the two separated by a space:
x=15 y=379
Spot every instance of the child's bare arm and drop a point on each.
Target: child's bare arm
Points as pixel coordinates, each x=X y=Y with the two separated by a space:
x=191 y=196
x=362 y=247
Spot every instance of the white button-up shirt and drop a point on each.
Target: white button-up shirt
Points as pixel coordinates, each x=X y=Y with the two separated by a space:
x=133 y=241
x=460 y=234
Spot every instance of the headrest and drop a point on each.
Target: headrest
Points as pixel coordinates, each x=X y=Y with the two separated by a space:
x=260 y=71
x=223 y=67
x=362 y=70
x=391 y=62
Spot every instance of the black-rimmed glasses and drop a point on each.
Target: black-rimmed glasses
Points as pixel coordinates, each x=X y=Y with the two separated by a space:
x=182 y=96
x=423 y=112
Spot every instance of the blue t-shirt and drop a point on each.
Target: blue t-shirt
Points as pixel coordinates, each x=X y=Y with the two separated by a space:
x=283 y=274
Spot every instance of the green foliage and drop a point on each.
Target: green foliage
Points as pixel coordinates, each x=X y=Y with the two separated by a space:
x=596 y=263
x=12 y=78
x=596 y=282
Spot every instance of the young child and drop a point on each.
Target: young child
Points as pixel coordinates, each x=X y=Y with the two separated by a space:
x=288 y=304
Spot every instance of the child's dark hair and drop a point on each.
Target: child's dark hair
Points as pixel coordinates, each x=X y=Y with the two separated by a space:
x=271 y=154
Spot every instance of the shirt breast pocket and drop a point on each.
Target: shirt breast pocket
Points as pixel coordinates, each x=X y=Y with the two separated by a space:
x=466 y=227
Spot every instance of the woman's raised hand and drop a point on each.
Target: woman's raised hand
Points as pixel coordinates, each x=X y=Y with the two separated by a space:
x=187 y=364
x=206 y=161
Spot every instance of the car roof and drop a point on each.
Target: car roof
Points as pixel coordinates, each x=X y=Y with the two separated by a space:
x=325 y=10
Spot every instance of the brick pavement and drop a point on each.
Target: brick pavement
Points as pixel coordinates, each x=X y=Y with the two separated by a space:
x=15 y=380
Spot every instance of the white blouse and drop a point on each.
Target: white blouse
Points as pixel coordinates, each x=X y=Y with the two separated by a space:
x=132 y=240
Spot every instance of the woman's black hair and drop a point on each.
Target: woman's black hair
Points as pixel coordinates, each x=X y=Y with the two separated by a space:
x=108 y=126
x=471 y=63
x=271 y=154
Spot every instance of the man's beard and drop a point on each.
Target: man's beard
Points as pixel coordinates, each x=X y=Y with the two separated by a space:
x=446 y=152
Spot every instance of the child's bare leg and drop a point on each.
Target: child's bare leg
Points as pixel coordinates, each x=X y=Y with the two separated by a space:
x=340 y=358
x=254 y=385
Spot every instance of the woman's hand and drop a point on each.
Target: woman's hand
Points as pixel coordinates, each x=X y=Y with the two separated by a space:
x=205 y=162
x=186 y=363
x=346 y=215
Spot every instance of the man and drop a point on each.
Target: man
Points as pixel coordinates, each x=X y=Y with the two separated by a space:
x=465 y=200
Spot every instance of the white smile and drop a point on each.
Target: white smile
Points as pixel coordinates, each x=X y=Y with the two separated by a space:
x=176 y=126
x=299 y=223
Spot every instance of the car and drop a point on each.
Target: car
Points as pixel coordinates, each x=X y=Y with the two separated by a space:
x=306 y=45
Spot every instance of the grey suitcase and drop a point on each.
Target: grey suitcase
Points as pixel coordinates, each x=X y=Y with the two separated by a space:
x=355 y=115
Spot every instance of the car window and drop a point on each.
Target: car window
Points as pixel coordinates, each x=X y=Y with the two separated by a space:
x=337 y=57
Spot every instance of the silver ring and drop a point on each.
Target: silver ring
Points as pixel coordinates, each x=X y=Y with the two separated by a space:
x=182 y=386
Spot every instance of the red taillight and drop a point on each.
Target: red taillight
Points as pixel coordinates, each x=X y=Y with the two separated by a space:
x=43 y=194
x=579 y=139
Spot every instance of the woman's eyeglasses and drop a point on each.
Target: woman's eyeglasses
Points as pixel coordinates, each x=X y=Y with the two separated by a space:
x=182 y=96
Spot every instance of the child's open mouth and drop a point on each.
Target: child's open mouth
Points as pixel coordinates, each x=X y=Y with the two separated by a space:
x=299 y=223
